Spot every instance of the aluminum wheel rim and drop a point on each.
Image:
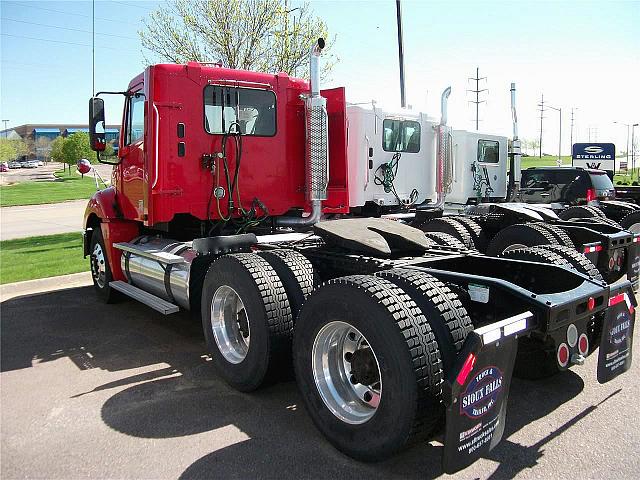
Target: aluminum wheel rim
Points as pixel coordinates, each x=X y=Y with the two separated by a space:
x=98 y=266
x=230 y=324
x=333 y=362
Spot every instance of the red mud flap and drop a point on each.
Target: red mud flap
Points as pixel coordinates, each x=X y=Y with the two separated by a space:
x=614 y=357
x=476 y=394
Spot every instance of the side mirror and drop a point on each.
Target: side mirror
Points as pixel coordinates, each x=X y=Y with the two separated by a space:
x=97 y=138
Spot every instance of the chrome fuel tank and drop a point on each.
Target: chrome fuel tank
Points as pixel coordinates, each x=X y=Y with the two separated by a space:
x=167 y=281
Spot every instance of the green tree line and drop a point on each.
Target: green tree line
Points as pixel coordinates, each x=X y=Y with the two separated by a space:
x=70 y=149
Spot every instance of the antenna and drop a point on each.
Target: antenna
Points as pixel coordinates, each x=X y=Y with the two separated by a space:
x=477 y=91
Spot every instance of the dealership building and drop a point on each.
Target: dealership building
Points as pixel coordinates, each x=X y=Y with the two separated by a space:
x=38 y=136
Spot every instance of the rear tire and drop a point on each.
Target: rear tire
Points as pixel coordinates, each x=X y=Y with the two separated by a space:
x=559 y=234
x=402 y=362
x=442 y=307
x=576 y=259
x=518 y=236
x=296 y=274
x=475 y=230
x=444 y=239
x=452 y=227
x=100 y=268
x=581 y=211
x=246 y=320
x=631 y=222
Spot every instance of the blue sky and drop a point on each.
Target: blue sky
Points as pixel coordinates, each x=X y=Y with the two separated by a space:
x=580 y=54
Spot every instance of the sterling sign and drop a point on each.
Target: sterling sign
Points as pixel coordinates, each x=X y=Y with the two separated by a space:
x=600 y=156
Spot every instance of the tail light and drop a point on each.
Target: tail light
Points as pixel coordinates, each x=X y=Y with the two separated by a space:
x=583 y=345
x=591 y=194
x=563 y=355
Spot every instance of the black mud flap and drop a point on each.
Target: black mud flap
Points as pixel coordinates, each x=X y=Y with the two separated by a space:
x=633 y=270
x=614 y=357
x=477 y=391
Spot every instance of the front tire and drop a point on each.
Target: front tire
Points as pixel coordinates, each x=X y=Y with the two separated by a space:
x=368 y=366
x=100 y=269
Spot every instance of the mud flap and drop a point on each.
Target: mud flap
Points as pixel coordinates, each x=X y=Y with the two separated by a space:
x=633 y=270
x=477 y=391
x=614 y=357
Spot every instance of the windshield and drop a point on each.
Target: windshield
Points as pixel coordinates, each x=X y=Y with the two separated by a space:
x=601 y=181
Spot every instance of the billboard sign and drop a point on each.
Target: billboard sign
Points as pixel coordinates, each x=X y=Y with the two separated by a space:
x=600 y=156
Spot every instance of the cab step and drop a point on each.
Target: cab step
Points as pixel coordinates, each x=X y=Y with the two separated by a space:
x=157 y=255
x=157 y=303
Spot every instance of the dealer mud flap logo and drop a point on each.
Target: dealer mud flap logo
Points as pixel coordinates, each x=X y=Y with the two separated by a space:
x=477 y=406
x=614 y=357
x=482 y=393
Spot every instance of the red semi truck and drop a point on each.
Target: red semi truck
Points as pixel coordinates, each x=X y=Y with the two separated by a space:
x=255 y=200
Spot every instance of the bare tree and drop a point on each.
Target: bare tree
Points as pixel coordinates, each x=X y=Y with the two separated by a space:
x=261 y=35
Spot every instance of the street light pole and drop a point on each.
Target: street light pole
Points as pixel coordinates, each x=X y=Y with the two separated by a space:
x=5 y=128
x=571 y=136
x=628 y=126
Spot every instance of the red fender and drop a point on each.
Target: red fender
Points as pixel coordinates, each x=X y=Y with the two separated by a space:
x=103 y=208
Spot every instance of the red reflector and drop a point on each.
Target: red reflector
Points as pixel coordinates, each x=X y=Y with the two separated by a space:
x=617 y=299
x=591 y=194
x=591 y=303
x=563 y=355
x=466 y=369
x=636 y=239
x=583 y=344
x=594 y=248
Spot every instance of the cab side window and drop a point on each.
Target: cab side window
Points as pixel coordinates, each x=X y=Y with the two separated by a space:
x=135 y=118
x=400 y=136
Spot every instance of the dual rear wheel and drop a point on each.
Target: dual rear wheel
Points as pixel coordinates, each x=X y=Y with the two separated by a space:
x=369 y=352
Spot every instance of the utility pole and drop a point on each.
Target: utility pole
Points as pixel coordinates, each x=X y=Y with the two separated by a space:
x=633 y=147
x=541 y=105
x=5 y=128
x=93 y=47
x=477 y=91
x=403 y=100
x=559 y=110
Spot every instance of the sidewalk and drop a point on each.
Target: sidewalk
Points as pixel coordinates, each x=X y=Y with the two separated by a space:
x=42 y=285
x=48 y=219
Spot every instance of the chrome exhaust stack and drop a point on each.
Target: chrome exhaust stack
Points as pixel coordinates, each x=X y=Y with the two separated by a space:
x=514 y=152
x=317 y=146
x=443 y=153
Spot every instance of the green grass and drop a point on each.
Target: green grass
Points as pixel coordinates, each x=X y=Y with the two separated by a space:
x=546 y=161
x=40 y=257
x=66 y=187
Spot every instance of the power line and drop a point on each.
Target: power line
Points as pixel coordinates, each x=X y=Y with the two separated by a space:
x=132 y=5
x=67 y=28
x=75 y=14
x=60 y=41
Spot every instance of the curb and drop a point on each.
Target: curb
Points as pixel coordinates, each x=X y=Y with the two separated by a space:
x=42 y=285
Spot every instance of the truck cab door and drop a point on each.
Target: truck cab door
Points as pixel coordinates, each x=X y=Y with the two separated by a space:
x=132 y=156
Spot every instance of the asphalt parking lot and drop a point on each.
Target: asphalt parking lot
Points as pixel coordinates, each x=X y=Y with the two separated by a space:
x=119 y=391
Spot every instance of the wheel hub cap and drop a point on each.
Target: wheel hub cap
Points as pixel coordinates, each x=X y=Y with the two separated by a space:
x=346 y=372
x=98 y=267
x=230 y=324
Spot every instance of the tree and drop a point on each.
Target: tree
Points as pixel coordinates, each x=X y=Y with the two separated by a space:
x=7 y=150
x=57 y=154
x=75 y=147
x=261 y=35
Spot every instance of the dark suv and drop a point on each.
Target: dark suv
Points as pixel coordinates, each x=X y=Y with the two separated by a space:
x=566 y=186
